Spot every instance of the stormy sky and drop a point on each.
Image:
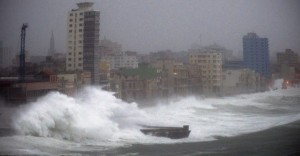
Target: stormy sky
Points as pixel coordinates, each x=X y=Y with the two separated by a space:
x=152 y=25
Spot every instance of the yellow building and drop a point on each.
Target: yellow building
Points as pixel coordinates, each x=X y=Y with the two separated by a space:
x=70 y=83
x=178 y=78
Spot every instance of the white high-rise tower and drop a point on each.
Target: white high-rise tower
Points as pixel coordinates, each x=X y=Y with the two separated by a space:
x=83 y=40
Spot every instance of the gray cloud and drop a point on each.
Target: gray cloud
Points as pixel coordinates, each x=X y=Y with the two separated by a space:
x=154 y=25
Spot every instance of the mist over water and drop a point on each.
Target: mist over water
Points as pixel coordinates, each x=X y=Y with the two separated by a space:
x=95 y=117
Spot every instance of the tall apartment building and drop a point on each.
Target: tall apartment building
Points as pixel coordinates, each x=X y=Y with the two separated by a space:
x=83 y=40
x=210 y=63
x=256 y=54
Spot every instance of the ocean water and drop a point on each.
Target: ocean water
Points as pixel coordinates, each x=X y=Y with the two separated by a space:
x=94 y=120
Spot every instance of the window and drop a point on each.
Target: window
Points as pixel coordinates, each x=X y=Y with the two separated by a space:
x=71 y=20
x=80 y=30
x=69 y=65
x=80 y=19
x=81 y=13
x=79 y=64
x=79 y=58
x=70 y=31
x=71 y=14
x=80 y=24
x=70 y=25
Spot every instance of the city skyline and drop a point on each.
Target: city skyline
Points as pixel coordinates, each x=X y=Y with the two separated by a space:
x=158 y=25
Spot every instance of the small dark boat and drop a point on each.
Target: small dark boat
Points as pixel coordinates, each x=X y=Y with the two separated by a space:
x=169 y=132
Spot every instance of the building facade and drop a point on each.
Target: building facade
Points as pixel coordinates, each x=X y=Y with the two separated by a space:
x=83 y=40
x=288 y=57
x=239 y=81
x=177 y=78
x=256 y=54
x=135 y=84
x=210 y=64
x=121 y=60
x=108 y=47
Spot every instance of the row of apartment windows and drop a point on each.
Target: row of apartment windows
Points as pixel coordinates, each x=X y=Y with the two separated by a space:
x=79 y=65
x=92 y=13
x=80 y=35
x=80 y=30
x=80 y=19
x=71 y=14
x=209 y=71
x=80 y=25
x=206 y=61
x=205 y=56
x=214 y=66
x=70 y=59
x=70 y=42
x=70 y=53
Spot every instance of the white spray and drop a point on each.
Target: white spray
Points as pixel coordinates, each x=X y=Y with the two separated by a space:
x=96 y=115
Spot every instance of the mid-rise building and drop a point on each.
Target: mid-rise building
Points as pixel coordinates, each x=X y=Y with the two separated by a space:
x=288 y=57
x=236 y=64
x=108 y=47
x=287 y=63
x=210 y=64
x=227 y=55
x=256 y=54
x=83 y=40
x=123 y=60
x=174 y=77
x=238 y=81
x=69 y=83
x=135 y=84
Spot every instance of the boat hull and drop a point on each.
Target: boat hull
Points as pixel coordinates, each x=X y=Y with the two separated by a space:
x=168 y=132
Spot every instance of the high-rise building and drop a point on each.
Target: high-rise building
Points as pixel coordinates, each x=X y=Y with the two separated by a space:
x=256 y=54
x=83 y=40
x=51 y=50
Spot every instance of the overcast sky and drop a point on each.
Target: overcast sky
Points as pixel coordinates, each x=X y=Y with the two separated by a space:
x=153 y=25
